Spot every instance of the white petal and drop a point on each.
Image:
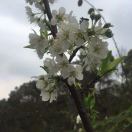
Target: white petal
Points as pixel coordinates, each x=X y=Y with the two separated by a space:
x=78 y=119
x=45 y=95
x=62 y=10
x=53 y=96
x=54 y=13
x=40 y=84
x=84 y=25
x=79 y=74
x=65 y=73
x=52 y=1
x=71 y=81
x=79 y=42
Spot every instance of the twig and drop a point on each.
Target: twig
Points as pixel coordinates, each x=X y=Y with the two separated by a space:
x=95 y=80
x=81 y=109
x=49 y=14
x=74 y=53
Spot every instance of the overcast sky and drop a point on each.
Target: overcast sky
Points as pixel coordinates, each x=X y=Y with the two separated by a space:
x=18 y=65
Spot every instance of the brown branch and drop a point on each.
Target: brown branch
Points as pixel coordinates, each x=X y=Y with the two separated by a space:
x=49 y=14
x=79 y=105
x=95 y=80
x=74 y=53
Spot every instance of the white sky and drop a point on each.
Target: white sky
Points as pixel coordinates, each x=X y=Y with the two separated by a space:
x=18 y=65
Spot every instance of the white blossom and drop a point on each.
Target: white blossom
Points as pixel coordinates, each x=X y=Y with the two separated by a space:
x=54 y=13
x=61 y=16
x=40 y=84
x=98 y=48
x=30 y=14
x=45 y=95
x=57 y=48
x=32 y=1
x=79 y=39
x=48 y=90
x=67 y=34
x=58 y=16
x=42 y=25
x=84 y=25
x=63 y=65
x=75 y=73
x=52 y=1
x=51 y=66
x=39 y=5
x=62 y=11
x=39 y=43
x=70 y=18
x=78 y=119
x=53 y=96
x=70 y=35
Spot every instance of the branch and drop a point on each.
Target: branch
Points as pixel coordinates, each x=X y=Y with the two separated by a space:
x=74 y=53
x=79 y=105
x=49 y=14
x=95 y=80
x=75 y=95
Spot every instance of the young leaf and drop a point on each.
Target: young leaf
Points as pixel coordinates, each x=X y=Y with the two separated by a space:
x=108 y=64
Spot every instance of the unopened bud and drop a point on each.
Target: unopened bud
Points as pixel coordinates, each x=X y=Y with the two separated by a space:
x=108 y=33
x=107 y=25
x=91 y=10
x=80 y=2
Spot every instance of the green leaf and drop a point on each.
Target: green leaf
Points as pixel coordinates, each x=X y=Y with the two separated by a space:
x=89 y=101
x=108 y=64
x=114 y=64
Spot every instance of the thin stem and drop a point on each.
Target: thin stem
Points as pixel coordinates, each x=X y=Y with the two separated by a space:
x=49 y=14
x=74 y=53
x=95 y=80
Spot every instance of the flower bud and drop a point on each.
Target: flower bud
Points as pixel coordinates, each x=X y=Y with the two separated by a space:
x=91 y=10
x=108 y=33
x=80 y=2
x=107 y=25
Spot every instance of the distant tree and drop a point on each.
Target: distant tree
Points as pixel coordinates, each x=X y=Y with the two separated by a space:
x=25 y=112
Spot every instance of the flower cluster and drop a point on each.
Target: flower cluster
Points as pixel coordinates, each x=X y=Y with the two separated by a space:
x=85 y=37
x=48 y=88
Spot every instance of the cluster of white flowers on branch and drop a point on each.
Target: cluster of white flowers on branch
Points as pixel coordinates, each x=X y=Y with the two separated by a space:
x=86 y=36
